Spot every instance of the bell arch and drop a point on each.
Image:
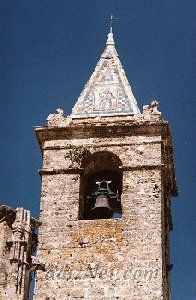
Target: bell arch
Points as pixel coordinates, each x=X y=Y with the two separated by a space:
x=101 y=187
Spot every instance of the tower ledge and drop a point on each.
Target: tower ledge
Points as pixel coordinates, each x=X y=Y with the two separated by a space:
x=150 y=113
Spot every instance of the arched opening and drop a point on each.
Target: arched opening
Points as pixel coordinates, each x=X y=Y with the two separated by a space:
x=101 y=187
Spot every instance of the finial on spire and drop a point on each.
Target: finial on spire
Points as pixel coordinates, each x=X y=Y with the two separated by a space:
x=111 y=21
x=110 y=40
x=111 y=18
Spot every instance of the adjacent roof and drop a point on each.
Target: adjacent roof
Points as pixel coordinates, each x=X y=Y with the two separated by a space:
x=107 y=91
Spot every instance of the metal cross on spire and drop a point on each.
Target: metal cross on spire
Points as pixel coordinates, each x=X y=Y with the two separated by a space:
x=111 y=21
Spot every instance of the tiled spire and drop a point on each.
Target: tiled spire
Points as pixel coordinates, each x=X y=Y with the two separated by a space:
x=108 y=91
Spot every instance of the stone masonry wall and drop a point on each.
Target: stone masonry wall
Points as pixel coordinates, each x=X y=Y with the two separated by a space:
x=103 y=259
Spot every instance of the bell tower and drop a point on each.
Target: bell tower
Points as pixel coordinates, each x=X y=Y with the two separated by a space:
x=107 y=181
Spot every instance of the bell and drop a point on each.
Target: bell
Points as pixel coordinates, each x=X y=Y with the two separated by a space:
x=102 y=210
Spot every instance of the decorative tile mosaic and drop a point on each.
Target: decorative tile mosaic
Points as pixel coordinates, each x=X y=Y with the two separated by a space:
x=108 y=90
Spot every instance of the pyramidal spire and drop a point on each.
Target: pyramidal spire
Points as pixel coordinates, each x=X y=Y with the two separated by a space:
x=108 y=91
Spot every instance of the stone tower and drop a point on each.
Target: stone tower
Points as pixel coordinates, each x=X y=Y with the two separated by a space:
x=107 y=181
x=17 y=244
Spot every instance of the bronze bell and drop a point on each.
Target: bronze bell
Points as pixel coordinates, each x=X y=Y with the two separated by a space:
x=102 y=209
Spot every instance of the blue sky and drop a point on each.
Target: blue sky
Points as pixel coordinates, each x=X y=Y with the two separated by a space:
x=48 y=51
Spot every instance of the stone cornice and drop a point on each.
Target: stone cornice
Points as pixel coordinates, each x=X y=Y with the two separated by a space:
x=91 y=129
x=75 y=170
x=60 y=147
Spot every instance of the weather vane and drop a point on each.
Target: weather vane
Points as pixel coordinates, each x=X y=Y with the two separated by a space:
x=111 y=21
